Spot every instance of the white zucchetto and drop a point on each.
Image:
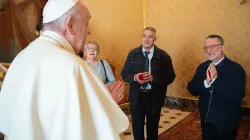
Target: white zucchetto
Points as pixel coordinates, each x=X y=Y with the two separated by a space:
x=56 y=8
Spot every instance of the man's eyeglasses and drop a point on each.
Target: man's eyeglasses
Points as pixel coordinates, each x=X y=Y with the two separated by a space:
x=211 y=47
x=92 y=49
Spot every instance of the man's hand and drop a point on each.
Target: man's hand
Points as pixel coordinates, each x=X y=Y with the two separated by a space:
x=116 y=90
x=141 y=81
x=147 y=77
x=211 y=73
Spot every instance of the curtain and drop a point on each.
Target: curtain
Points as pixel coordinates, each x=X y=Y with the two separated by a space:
x=17 y=26
x=2 y=4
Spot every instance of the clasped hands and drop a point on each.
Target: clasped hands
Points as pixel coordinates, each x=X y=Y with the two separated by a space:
x=211 y=73
x=143 y=77
x=116 y=90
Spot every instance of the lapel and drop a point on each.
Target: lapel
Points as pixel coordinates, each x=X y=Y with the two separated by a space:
x=140 y=57
x=157 y=53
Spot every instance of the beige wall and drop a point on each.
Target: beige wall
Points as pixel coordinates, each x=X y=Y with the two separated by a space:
x=116 y=25
x=182 y=26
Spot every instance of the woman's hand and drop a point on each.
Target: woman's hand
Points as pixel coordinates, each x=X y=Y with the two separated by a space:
x=116 y=90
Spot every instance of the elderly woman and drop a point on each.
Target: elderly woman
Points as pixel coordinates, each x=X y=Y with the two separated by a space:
x=101 y=67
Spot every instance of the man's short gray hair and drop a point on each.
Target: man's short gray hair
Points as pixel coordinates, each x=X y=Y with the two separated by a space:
x=220 y=39
x=150 y=28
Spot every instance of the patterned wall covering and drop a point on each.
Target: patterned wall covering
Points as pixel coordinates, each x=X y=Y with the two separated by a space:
x=116 y=26
x=182 y=26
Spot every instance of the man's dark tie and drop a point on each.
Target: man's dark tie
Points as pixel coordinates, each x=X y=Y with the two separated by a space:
x=146 y=68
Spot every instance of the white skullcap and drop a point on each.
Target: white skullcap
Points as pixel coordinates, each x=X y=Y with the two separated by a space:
x=56 y=8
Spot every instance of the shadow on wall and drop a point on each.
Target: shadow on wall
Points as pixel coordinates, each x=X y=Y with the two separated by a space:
x=7 y=56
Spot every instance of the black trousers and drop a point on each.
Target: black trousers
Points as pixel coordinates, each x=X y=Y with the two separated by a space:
x=139 y=112
x=209 y=132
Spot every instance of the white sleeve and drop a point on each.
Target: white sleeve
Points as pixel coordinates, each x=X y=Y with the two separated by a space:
x=209 y=85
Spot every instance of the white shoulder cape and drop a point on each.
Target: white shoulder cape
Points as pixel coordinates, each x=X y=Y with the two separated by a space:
x=49 y=93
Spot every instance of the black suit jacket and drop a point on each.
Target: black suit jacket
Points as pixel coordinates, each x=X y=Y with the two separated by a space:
x=228 y=91
x=161 y=70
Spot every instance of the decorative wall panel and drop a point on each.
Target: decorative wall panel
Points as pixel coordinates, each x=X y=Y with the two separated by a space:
x=182 y=26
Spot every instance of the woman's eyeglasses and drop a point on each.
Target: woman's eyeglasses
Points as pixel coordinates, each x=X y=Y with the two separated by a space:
x=92 y=49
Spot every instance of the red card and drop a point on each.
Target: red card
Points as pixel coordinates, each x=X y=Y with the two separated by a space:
x=141 y=77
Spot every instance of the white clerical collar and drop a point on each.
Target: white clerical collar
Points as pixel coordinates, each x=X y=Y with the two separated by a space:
x=58 y=39
x=151 y=50
x=216 y=63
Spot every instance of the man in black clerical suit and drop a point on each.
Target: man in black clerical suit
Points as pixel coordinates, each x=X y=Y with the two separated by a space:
x=220 y=83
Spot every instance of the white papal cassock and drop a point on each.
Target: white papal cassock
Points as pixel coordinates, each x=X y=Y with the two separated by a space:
x=49 y=93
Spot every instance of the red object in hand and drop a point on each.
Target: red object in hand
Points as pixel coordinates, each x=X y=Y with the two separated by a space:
x=141 y=77
x=209 y=74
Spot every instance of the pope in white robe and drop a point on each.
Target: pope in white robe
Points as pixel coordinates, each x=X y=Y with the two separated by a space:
x=49 y=93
